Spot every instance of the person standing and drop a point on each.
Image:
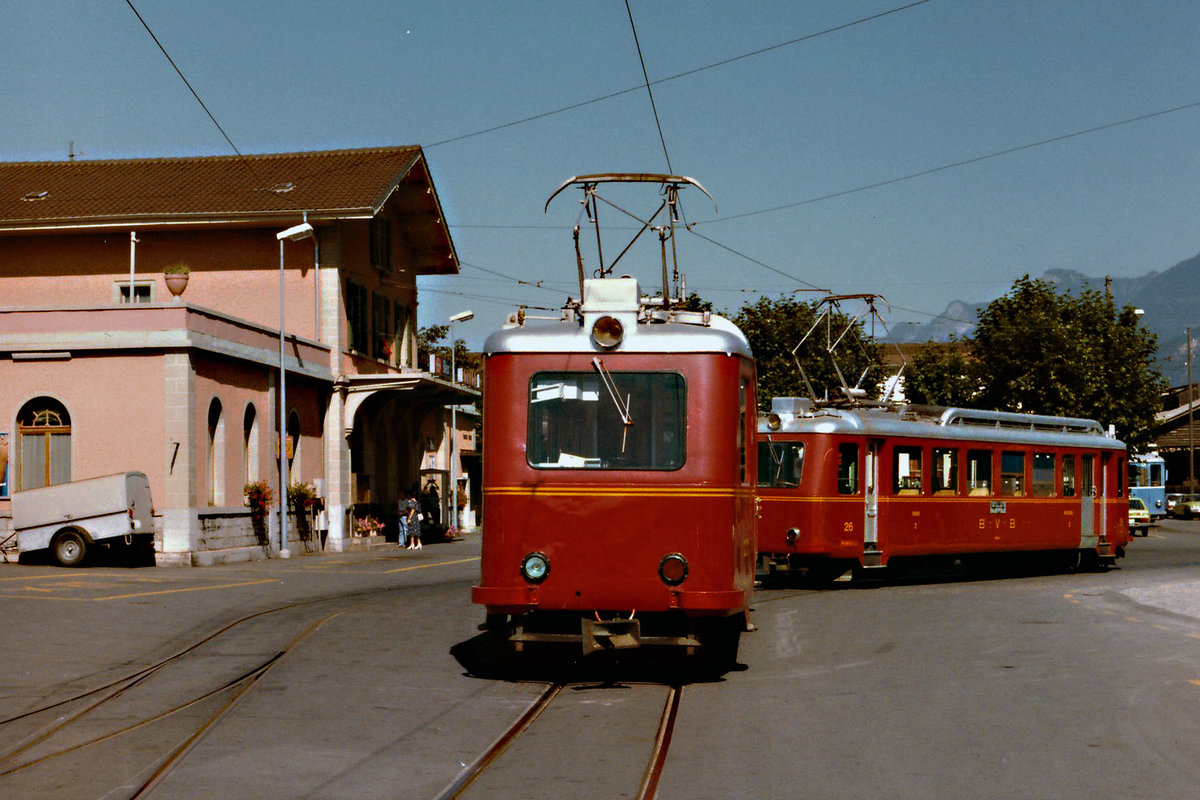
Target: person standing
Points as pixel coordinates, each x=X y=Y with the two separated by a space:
x=413 y=522
x=402 y=520
x=431 y=504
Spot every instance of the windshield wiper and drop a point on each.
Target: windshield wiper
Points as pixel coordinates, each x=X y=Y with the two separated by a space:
x=622 y=408
x=776 y=453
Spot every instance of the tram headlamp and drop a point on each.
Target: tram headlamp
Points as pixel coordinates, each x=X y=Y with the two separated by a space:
x=608 y=332
x=774 y=422
x=535 y=567
x=792 y=535
x=673 y=569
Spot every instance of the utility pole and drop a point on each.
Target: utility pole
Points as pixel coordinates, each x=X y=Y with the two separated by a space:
x=1191 y=430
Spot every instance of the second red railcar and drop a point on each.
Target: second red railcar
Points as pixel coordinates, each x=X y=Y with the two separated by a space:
x=855 y=488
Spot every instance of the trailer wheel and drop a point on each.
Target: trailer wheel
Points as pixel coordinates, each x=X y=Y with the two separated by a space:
x=69 y=548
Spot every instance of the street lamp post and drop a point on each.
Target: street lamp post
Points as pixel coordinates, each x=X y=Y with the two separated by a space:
x=295 y=234
x=461 y=316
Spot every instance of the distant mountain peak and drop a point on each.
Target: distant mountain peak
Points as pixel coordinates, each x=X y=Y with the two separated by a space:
x=1170 y=299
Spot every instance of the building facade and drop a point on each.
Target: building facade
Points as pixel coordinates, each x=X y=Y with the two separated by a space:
x=107 y=364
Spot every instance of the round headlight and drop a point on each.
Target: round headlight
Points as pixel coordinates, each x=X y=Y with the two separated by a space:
x=608 y=332
x=673 y=569
x=774 y=422
x=792 y=535
x=535 y=567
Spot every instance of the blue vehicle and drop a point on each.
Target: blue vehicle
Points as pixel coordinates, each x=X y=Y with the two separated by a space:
x=1148 y=480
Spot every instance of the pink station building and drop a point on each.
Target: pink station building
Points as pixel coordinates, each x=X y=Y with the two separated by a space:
x=104 y=367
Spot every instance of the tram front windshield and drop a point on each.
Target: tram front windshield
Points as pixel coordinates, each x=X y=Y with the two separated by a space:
x=607 y=420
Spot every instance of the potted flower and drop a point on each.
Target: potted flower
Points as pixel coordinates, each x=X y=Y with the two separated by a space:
x=259 y=497
x=176 y=276
x=302 y=498
x=367 y=526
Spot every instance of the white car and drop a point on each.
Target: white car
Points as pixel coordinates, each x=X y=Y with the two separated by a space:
x=1139 y=517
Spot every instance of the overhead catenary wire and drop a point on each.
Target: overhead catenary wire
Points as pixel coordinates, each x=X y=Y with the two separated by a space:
x=649 y=91
x=962 y=163
x=647 y=84
x=684 y=74
x=188 y=84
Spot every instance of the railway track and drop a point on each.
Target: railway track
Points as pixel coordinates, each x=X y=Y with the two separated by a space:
x=130 y=732
x=151 y=730
x=577 y=736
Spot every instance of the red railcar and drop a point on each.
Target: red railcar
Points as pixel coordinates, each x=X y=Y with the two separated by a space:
x=844 y=489
x=619 y=477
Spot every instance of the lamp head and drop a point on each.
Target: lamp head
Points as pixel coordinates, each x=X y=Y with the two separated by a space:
x=463 y=316
x=296 y=232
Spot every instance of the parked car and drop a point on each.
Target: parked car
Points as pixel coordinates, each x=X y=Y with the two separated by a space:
x=1171 y=500
x=1187 y=506
x=1139 y=517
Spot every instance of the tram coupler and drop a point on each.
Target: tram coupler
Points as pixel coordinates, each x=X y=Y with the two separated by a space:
x=616 y=634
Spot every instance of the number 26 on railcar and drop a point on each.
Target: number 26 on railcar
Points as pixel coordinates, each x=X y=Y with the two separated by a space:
x=619 y=478
x=853 y=489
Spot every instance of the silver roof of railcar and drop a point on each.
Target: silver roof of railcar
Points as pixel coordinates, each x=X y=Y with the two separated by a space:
x=647 y=327
x=800 y=415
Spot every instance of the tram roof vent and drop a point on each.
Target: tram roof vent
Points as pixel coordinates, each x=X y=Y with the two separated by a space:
x=611 y=295
x=614 y=303
x=795 y=406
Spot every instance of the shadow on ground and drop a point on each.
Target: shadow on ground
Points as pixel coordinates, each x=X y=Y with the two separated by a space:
x=489 y=656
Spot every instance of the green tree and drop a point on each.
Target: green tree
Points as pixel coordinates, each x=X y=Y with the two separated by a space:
x=429 y=340
x=1047 y=352
x=942 y=374
x=775 y=326
x=694 y=302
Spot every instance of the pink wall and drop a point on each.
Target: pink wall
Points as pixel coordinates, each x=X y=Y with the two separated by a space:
x=126 y=433
x=234 y=271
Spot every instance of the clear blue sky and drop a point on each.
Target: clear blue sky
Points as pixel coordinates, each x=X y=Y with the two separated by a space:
x=934 y=85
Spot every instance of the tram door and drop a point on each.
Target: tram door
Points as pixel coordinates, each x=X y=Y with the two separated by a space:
x=1087 y=492
x=871 y=556
x=1108 y=488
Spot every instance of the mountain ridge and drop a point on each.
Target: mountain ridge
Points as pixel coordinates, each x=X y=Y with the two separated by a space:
x=1168 y=298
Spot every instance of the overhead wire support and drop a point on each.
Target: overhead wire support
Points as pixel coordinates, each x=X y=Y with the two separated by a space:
x=670 y=202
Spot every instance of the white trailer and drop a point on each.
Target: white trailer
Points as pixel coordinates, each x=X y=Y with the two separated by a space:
x=69 y=518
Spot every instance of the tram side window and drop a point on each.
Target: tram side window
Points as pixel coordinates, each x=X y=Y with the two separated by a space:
x=780 y=464
x=1087 y=477
x=1138 y=475
x=1012 y=474
x=576 y=422
x=847 y=468
x=979 y=473
x=1043 y=475
x=906 y=470
x=1068 y=476
x=1156 y=475
x=945 y=471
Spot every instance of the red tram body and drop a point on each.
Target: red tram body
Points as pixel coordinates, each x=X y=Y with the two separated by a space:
x=619 y=477
x=855 y=488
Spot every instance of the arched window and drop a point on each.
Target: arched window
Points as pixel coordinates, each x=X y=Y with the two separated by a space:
x=216 y=454
x=43 y=443
x=250 y=443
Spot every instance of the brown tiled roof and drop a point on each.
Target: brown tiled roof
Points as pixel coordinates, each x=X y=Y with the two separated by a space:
x=218 y=188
